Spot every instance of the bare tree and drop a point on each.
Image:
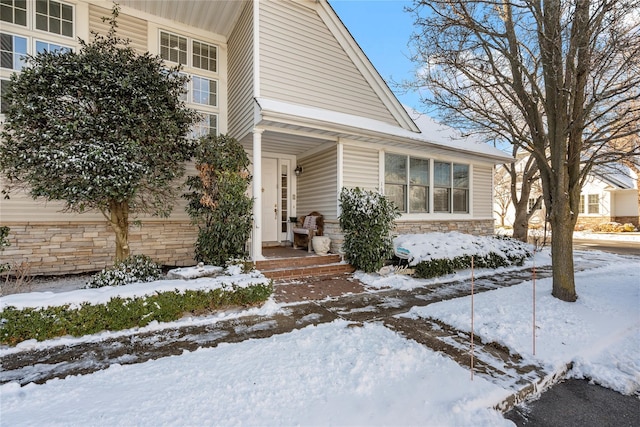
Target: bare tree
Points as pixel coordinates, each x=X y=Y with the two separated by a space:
x=558 y=78
x=502 y=192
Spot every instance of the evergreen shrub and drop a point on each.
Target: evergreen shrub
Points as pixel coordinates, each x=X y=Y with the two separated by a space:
x=217 y=201
x=17 y=325
x=367 y=220
x=136 y=268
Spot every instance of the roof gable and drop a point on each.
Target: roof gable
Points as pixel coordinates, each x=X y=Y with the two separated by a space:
x=308 y=57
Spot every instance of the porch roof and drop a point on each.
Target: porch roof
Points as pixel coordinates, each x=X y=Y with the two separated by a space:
x=297 y=129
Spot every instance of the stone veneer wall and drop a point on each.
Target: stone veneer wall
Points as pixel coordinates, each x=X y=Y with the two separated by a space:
x=475 y=227
x=71 y=247
x=589 y=222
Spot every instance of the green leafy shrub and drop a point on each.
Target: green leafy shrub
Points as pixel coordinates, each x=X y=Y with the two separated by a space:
x=136 y=268
x=367 y=220
x=217 y=202
x=17 y=325
x=4 y=233
x=443 y=266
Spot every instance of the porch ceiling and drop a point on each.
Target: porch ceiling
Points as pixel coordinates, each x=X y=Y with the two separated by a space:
x=289 y=142
x=216 y=16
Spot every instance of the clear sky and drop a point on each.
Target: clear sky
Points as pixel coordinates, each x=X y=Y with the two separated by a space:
x=382 y=29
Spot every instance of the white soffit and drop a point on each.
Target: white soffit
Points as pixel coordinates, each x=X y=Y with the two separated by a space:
x=216 y=16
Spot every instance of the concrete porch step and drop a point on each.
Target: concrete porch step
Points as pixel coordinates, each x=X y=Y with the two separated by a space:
x=309 y=266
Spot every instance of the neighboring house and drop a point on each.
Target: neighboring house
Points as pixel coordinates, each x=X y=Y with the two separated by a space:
x=610 y=194
x=288 y=81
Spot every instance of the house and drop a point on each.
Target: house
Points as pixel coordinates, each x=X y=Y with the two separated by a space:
x=288 y=81
x=610 y=194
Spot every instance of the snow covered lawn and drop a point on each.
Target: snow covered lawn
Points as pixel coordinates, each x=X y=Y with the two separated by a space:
x=338 y=374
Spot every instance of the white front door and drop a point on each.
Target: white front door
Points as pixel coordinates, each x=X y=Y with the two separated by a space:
x=269 y=200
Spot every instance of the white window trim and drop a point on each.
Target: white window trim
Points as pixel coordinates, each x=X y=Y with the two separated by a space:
x=431 y=215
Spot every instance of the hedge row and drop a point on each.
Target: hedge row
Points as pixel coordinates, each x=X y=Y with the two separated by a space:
x=440 y=267
x=17 y=325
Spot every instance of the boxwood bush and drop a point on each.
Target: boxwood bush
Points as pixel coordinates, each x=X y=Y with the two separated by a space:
x=17 y=325
x=443 y=266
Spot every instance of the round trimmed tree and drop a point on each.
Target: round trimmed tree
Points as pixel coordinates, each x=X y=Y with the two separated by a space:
x=102 y=128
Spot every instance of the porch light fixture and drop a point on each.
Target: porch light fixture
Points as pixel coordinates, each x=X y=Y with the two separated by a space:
x=298 y=170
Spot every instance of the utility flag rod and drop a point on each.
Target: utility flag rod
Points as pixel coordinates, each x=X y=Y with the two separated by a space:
x=472 y=318
x=534 y=301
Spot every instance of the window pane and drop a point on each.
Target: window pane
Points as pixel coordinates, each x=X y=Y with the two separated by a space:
x=442 y=174
x=419 y=170
x=6 y=13
x=67 y=13
x=460 y=200
x=41 y=22
x=395 y=169
x=173 y=48
x=20 y=17
x=419 y=199
x=54 y=9
x=41 y=7
x=13 y=49
x=54 y=25
x=461 y=176
x=441 y=199
x=67 y=29
x=396 y=194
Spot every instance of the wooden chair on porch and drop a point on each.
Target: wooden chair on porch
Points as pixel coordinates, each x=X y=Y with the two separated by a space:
x=307 y=227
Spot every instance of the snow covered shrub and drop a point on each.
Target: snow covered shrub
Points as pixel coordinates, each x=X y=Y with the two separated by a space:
x=366 y=219
x=217 y=202
x=137 y=268
x=239 y=266
x=615 y=227
x=437 y=254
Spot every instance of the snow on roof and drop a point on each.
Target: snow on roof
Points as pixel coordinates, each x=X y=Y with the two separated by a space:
x=616 y=174
x=431 y=132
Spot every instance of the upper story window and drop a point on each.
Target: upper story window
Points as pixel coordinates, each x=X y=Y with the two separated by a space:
x=173 y=48
x=14 y=11
x=200 y=61
x=54 y=17
x=177 y=48
x=45 y=15
x=205 y=56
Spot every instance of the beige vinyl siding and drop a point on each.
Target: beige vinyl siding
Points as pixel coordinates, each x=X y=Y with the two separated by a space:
x=301 y=62
x=482 y=191
x=240 y=46
x=317 y=186
x=360 y=167
x=129 y=27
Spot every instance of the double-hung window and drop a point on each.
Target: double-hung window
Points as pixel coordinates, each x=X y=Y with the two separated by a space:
x=581 y=206
x=594 y=204
x=407 y=182
x=450 y=187
x=395 y=180
x=200 y=61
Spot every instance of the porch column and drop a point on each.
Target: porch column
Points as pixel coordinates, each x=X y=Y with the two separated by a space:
x=256 y=240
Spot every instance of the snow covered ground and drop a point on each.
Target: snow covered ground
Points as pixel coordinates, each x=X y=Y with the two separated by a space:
x=337 y=374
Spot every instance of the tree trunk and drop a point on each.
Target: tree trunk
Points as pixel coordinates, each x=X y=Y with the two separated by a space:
x=521 y=225
x=119 y=221
x=562 y=223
